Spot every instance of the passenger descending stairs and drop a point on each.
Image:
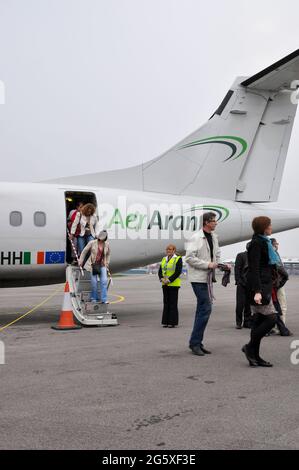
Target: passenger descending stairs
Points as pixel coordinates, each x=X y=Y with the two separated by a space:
x=86 y=312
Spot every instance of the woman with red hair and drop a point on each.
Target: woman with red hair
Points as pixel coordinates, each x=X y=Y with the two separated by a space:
x=262 y=262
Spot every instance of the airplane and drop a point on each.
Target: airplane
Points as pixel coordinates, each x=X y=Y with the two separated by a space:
x=232 y=165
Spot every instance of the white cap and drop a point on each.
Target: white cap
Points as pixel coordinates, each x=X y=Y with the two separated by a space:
x=103 y=235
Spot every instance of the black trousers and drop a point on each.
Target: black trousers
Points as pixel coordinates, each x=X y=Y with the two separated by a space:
x=283 y=330
x=261 y=325
x=170 y=306
x=242 y=305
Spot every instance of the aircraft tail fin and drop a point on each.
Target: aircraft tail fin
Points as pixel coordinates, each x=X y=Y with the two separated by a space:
x=239 y=154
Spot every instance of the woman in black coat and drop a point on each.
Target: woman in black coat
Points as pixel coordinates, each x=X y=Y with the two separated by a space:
x=262 y=261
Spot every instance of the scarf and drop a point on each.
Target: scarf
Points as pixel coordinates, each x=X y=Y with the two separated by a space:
x=273 y=256
x=100 y=253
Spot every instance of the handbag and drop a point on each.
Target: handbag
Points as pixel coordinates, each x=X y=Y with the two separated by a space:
x=266 y=297
x=96 y=269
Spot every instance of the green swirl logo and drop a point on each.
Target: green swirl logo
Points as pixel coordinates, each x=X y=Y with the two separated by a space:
x=222 y=212
x=237 y=145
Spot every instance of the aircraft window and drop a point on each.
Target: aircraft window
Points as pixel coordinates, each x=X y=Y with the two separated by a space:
x=39 y=219
x=15 y=218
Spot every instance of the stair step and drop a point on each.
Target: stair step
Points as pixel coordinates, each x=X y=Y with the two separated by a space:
x=95 y=308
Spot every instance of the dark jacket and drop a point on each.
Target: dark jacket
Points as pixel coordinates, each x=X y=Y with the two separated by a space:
x=282 y=277
x=260 y=273
x=241 y=268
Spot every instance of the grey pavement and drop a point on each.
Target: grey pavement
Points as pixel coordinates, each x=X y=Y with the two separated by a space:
x=137 y=386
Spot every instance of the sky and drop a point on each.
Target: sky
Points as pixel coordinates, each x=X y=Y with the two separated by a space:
x=95 y=85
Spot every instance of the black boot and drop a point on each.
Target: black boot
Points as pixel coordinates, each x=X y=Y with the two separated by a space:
x=260 y=361
x=250 y=358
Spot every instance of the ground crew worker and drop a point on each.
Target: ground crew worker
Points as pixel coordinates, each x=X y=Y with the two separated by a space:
x=169 y=275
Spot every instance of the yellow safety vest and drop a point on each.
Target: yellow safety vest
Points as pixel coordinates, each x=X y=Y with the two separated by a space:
x=168 y=269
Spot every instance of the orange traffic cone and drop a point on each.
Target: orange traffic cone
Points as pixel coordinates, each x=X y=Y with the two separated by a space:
x=66 y=320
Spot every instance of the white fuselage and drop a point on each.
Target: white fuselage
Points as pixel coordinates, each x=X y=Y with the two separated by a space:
x=139 y=226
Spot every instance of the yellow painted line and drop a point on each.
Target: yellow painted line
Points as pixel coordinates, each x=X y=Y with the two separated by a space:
x=32 y=310
x=121 y=298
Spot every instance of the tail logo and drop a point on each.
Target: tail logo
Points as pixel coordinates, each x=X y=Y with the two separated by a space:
x=237 y=145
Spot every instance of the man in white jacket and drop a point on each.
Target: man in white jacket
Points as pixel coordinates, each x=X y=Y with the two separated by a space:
x=202 y=256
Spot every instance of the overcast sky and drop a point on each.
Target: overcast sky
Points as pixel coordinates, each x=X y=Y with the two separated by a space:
x=96 y=85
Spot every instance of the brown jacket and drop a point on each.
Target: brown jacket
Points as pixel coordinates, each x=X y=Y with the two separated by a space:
x=92 y=246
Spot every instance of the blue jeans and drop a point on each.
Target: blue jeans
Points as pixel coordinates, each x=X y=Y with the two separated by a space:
x=203 y=312
x=82 y=242
x=103 y=285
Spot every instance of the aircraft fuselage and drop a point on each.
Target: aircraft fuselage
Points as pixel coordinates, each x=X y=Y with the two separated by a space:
x=140 y=224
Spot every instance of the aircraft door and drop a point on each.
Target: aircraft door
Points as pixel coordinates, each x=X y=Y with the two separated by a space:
x=74 y=202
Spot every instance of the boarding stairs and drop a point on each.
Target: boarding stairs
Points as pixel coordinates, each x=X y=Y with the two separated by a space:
x=87 y=313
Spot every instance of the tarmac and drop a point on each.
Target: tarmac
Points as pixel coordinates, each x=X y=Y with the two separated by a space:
x=137 y=385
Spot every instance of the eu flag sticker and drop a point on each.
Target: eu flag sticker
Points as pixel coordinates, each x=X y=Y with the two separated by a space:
x=55 y=257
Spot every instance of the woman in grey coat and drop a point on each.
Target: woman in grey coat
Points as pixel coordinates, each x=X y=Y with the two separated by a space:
x=97 y=264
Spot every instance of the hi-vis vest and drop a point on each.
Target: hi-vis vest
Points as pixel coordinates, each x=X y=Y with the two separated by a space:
x=168 y=270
